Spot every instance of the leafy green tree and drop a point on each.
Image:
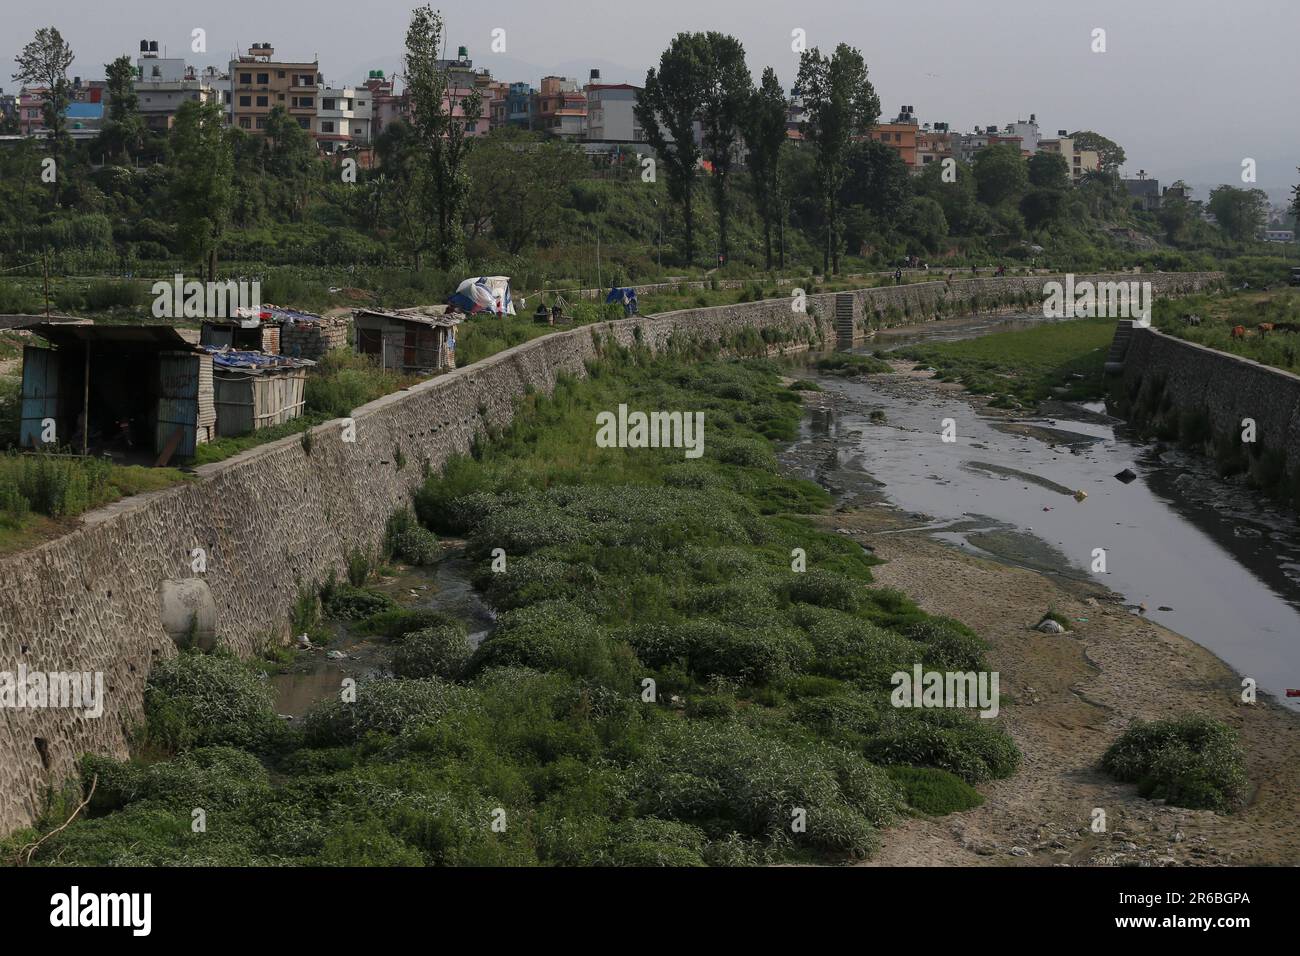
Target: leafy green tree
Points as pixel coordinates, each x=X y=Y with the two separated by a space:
x=1000 y=174
x=1241 y=213
x=1110 y=155
x=202 y=167
x=519 y=186
x=877 y=180
x=841 y=105
x=44 y=61
x=961 y=209
x=406 y=196
x=726 y=93
x=1042 y=206
x=924 y=222
x=290 y=157
x=666 y=109
x=440 y=116
x=1295 y=203
x=124 y=129
x=1049 y=171
x=765 y=134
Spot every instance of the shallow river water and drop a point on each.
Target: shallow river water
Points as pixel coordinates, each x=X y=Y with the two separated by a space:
x=1203 y=556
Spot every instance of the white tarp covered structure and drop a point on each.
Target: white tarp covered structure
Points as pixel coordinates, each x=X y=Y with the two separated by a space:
x=484 y=294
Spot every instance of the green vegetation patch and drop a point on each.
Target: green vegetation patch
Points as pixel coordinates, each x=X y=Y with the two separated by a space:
x=1190 y=761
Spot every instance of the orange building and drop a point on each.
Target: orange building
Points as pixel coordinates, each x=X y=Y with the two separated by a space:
x=259 y=83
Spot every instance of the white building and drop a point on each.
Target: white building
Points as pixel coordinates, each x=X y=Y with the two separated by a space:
x=1027 y=130
x=343 y=118
x=162 y=84
x=610 y=115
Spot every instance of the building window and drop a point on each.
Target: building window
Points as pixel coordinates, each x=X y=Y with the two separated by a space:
x=244 y=123
x=246 y=78
x=327 y=103
x=326 y=126
x=263 y=101
x=263 y=79
x=261 y=122
x=304 y=122
x=245 y=101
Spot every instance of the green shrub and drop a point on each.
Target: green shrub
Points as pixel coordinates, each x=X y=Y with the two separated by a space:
x=935 y=792
x=348 y=603
x=381 y=707
x=439 y=651
x=970 y=747
x=1190 y=761
x=202 y=700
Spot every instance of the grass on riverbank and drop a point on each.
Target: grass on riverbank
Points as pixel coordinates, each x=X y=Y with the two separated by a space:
x=1063 y=360
x=1190 y=761
x=1219 y=314
x=662 y=688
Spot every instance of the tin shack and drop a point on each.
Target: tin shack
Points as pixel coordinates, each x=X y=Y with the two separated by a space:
x=410 y=341
x=253 y=390
x=136 y=393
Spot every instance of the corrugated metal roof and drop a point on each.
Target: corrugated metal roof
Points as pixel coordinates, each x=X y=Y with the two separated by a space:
x=158 y=336
x=410 y=315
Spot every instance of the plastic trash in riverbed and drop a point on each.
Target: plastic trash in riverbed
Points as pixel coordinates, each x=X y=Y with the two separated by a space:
x=1126 y=476
x=1080 y=495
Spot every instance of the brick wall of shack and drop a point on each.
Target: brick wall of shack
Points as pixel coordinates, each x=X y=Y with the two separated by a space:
x=311 y=340
x=275 y=516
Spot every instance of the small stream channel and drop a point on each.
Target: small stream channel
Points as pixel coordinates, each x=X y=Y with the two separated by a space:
x=317 y=674
x=1204 y=556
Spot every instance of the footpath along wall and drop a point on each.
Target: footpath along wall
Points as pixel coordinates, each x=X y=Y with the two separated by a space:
x=102 y=598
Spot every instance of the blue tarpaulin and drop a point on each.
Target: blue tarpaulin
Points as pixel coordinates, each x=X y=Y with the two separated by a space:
x=625 y=296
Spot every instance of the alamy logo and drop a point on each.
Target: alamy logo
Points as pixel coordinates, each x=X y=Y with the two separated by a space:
x=103 y=909
x=1106 y=300
x=651 y=430
x=71 y=690
x=179 y=299
x=946 y=689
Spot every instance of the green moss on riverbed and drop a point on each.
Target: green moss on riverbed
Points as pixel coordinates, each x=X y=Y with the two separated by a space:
x=623 y=567
x=1059 y=359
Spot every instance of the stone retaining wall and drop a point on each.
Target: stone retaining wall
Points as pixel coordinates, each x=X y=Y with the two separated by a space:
x=1168 y=381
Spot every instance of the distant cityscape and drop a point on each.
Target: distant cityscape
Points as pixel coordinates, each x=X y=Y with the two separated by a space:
x=345 y=118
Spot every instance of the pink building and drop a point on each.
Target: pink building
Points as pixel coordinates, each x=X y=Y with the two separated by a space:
x=31 y=109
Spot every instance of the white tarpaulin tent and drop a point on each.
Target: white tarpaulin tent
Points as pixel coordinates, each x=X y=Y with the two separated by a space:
x=484 y=294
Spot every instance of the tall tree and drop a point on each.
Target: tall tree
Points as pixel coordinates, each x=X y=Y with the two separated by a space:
x=765 y=134
x=1295 y=203
x=440 y=115
x=1049 y=171
x=840 y=105
x=1240 y=213
x=726 y=92
x=202 y=165
x=44 y=61
x=123 y=130
x=1110 y=154
x=666 y=109
x=519 y=187
x=1000 y=174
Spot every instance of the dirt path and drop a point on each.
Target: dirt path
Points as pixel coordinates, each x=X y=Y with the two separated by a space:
x=1066 y=698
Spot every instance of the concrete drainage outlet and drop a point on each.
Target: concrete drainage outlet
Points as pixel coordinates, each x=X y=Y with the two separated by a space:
x=189 y=613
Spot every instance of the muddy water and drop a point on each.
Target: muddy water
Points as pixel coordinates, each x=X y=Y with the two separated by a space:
x=1203 y=556
x=318 y=674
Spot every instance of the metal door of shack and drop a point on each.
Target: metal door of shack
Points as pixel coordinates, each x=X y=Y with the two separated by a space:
x=40 y=396
x=178 y=402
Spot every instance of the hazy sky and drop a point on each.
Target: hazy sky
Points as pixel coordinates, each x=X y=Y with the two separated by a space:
x=1188 y=87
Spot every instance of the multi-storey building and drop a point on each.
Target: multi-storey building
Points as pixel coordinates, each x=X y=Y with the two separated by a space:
x=559 y=108
x=343 y=118
x=259 y=83
x=162 y=84
x=31 y=109
x=514 y=108
x=1080 y=161
x=610 y=111
x=899 y=135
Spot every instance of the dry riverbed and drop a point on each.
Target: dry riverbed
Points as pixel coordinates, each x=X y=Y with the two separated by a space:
x=1066 y=698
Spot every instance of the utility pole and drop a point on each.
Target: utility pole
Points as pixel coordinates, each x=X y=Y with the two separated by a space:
x=45 y=275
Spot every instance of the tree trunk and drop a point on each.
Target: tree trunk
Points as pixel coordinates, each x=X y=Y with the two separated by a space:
x=690 y=228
